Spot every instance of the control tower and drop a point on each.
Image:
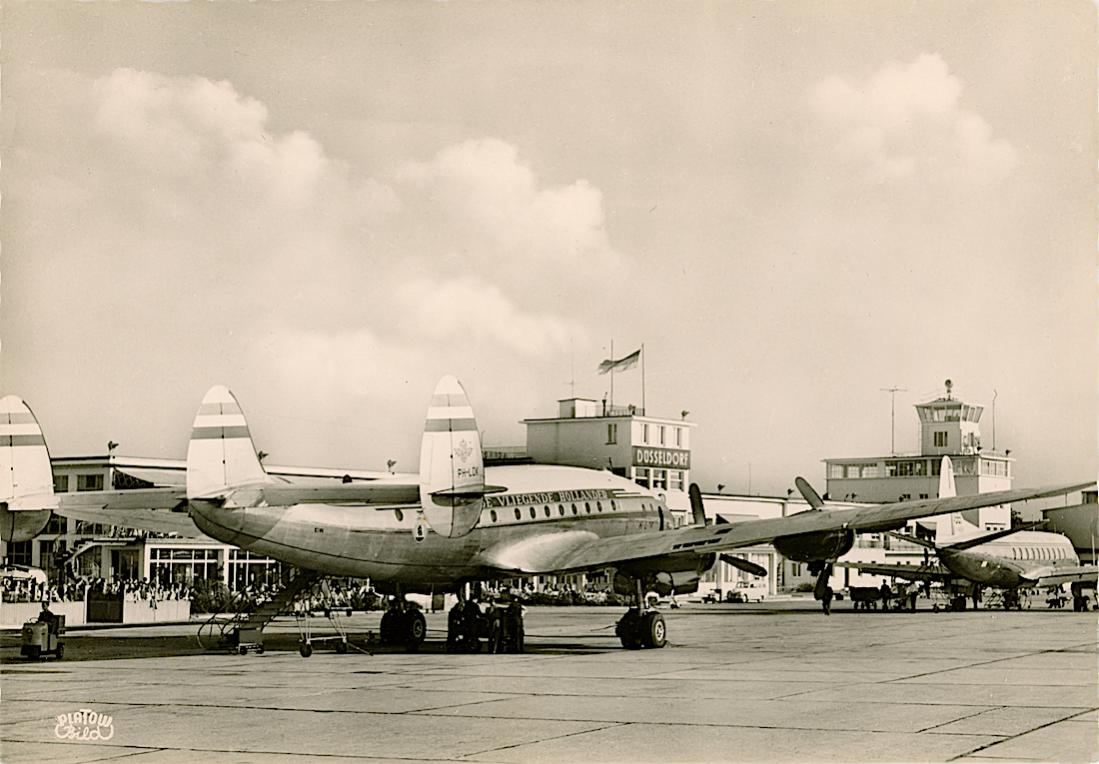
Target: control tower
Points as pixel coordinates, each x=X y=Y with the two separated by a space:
x=948 y=427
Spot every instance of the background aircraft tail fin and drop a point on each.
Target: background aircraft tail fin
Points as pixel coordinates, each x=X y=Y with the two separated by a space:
x=951 y=526
x=221 y=454
x=26 y=476
x=947 y=489
x=452 y=471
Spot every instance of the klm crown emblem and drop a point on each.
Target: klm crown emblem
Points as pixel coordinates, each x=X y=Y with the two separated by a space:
x=463 y=450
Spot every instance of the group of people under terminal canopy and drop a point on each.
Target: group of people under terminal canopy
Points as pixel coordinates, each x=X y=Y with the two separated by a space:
x=14 y=589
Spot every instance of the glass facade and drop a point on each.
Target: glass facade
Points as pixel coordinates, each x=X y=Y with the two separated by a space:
x=182 y=566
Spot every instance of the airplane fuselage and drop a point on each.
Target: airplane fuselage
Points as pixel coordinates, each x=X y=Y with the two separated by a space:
x=1013 y=561
x=543 y=508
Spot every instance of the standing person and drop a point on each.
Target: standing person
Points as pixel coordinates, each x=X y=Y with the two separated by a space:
x=886 y=595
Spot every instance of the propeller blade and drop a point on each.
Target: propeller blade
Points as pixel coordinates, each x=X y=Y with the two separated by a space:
x=745 y=565
x=697 y=510
x=808 y=493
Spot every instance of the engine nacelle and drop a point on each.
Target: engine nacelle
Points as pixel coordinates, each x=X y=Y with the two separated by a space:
x=679 y=574
x=811 y=547
x=18 y=525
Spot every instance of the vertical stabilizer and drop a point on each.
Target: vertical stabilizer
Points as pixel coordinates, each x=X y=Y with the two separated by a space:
x=950 y=526
x=221 y=454
x=947 y=488
x=452 y=473
x=26 y=476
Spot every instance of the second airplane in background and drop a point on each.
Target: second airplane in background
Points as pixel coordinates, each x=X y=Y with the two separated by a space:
x=1011 y=559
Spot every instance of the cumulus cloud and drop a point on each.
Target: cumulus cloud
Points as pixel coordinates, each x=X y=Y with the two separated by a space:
x=485 y=189
x=906 y=120
x=171 y=209
x=470 y=308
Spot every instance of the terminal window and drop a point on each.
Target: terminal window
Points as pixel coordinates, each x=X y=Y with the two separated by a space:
x=89 y=482
x=612 y=433
x=940 y=440
x=60 y=483
x=19 y=552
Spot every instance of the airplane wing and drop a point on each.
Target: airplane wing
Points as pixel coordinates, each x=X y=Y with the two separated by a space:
x=907 y=572
x=1069 y=575
x=161 y=510
x=574 y=550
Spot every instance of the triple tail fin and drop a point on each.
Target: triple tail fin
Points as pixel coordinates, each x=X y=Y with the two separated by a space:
x=26 y=476
x=452 y=470
x=221 y=455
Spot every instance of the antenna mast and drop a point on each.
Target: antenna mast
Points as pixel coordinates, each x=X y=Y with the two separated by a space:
x=893 y=414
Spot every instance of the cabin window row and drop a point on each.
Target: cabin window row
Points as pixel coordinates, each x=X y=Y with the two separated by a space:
x=573 y=510
x=1037 y=553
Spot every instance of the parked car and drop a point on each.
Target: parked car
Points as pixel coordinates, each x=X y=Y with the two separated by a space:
x=747 y=593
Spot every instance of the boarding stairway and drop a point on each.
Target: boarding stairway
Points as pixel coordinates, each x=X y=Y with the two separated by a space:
x=243 y=630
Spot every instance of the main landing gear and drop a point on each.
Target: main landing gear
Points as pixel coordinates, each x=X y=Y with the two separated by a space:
x=403 y=624
x=641 y=626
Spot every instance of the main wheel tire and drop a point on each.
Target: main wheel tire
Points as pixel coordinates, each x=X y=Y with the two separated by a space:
x=305 y=649
x=60 y=652
x=628 y=629
x=654 y=632
x=388 y=627
x=415 y=629
x=259 y=650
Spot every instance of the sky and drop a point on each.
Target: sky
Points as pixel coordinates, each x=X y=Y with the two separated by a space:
x=327 y=206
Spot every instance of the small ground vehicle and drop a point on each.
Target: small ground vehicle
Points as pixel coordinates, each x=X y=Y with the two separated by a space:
x=747 y=593
x=41 y=638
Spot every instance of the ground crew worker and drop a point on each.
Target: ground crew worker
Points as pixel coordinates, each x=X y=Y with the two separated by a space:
x=47 y=617
x=886 y=594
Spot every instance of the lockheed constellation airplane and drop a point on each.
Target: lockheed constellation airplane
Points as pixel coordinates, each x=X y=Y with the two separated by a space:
x=458 y=524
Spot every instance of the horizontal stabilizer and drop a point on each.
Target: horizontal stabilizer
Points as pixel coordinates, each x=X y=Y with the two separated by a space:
x=913 y=539
x=1069 y=575
x=985 y=538
x=466 y=493
x=34 y=503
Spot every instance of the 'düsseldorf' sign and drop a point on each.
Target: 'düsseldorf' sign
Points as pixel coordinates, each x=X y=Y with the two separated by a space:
x=664 y=458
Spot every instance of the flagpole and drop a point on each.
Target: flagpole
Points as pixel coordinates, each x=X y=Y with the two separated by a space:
x=642 y=377
x=612 y=376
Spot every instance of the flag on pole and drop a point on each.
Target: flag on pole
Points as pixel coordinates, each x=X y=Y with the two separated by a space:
x=626 y=362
